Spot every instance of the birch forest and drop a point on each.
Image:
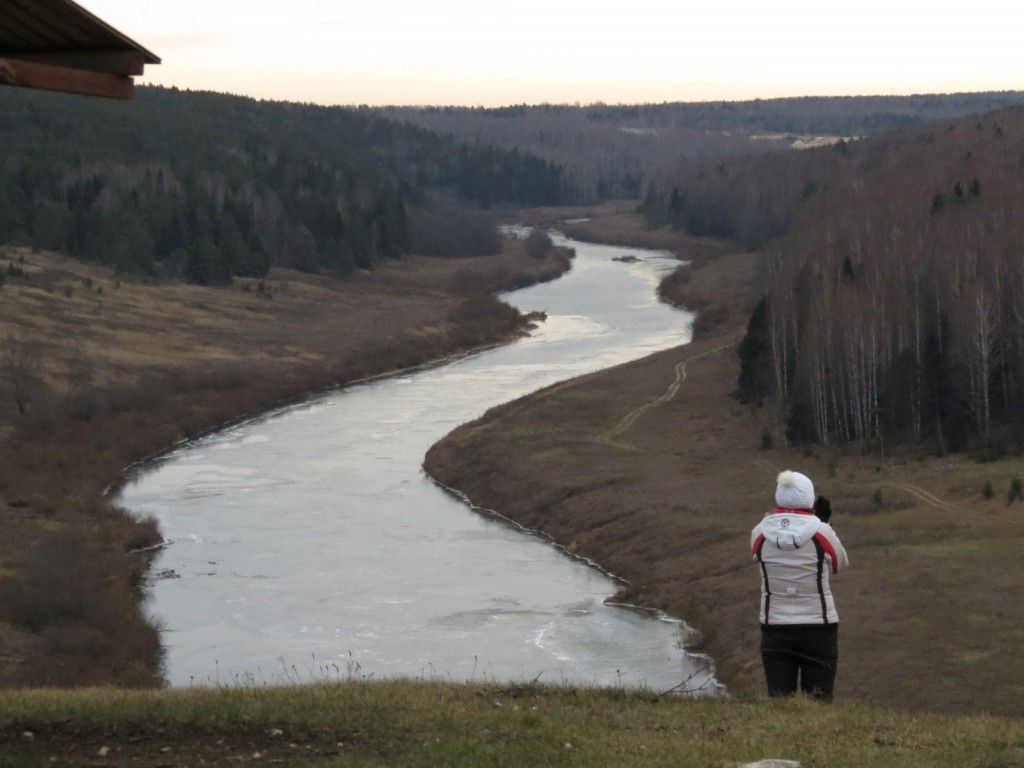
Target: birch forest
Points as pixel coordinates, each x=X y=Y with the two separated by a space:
x=893 y=274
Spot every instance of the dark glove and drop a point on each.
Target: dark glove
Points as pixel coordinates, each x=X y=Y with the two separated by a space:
x=823 y=509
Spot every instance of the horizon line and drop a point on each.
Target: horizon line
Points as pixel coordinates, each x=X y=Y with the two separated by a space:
x=580 y=104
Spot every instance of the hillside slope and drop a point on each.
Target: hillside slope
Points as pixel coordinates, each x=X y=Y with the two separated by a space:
x=654 y=470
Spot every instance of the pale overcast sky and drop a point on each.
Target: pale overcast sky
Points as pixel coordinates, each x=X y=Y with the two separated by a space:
x=466 y=52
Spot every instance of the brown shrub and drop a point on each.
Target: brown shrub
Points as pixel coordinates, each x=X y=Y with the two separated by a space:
x=71 y=599
x=673 y=288
x=538 y=244
x=452 y=230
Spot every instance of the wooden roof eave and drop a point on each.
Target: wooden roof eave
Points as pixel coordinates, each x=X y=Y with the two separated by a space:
x=48 y=77
x=57 y=45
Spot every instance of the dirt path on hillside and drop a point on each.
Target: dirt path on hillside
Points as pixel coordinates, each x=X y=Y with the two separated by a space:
x=627 y=422
x=928 y=498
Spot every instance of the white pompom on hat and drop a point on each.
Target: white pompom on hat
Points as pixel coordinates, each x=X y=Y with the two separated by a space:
x=794 y=491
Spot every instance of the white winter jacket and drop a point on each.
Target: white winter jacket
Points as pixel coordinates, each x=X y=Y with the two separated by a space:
x=797 y=553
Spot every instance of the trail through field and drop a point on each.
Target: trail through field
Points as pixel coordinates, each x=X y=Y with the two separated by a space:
x=928 y=498
x=629 y=420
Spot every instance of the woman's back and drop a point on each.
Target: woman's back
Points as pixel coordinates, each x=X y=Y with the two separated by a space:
x=797 y=553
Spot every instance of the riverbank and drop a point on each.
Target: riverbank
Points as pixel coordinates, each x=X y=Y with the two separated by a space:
x=618 y=223
x=102 y=371
x=654 y=471
x=416 y=723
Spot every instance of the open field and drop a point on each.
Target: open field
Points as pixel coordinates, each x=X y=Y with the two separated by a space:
x=409 y=723
x=653 y=470
x=100 y=371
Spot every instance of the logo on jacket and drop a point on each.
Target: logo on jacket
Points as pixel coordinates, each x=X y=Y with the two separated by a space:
x=784 y=522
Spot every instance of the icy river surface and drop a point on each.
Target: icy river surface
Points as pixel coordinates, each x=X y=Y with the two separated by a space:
x=309 y=543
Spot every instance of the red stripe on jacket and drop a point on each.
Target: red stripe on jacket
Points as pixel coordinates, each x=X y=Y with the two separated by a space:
x=792 y=511
x=829 y=550
x=757 y=544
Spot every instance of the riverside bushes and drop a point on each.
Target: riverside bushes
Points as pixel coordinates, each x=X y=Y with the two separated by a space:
x=79 y=627
x=447 y=229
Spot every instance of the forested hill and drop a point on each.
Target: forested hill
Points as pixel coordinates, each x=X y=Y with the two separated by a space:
x=205 y=186
x=894 y=277
x=614 y=151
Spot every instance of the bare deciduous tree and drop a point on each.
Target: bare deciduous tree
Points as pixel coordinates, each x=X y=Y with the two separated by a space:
x=21 y=373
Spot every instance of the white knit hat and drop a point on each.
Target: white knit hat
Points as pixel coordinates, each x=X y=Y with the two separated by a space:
x=794 y=491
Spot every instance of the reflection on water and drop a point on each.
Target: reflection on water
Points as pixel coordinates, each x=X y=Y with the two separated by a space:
x=310 y=544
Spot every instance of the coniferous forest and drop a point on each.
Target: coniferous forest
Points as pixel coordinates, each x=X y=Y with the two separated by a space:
x=203 y=186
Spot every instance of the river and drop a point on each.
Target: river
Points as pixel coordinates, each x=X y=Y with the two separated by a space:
x=309 y=544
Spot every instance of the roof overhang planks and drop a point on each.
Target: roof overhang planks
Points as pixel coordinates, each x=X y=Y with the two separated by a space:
x=46 y=77
x=56 y=45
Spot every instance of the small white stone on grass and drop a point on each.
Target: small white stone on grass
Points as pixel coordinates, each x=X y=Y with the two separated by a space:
x=104 y=751
x=275 y=732
x=772 y=762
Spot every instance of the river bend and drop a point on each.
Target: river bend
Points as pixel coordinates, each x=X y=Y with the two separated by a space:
x=309 y=544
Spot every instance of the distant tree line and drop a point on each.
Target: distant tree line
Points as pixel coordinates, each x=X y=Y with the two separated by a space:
x=205 y=186
x=618 y=151
x=894 y=301
x=810 y=115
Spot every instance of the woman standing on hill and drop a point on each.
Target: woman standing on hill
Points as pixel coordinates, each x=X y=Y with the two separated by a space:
x=797 y=552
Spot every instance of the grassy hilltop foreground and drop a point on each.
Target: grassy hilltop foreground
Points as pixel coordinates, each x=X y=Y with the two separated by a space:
x=415 y=723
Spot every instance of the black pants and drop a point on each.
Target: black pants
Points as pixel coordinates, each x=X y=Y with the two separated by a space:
x=807 y=652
